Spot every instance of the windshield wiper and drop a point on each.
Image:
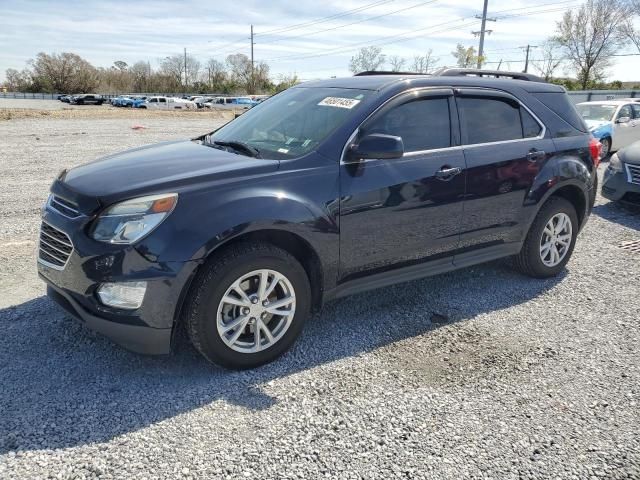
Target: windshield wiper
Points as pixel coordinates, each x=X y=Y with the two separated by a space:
x=240 y=146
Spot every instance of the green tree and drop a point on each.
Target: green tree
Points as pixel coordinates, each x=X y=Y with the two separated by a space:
x=590 y=35
x=367 y=59
x=467 y=57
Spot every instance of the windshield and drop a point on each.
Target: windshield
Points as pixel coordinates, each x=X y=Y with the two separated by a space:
x=602 y=113
x=293 y=122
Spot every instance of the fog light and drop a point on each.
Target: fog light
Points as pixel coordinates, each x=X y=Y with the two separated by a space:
x=127 y=295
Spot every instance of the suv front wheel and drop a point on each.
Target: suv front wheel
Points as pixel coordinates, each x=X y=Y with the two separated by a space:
x=550 y=241
x=248 y=305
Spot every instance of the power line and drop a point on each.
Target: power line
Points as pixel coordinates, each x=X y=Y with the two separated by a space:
x=325 y=19
x=355 y=46
x=383 y=40
x=350 y=24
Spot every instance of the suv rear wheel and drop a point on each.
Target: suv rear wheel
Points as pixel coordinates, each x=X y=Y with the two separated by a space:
x=248 y=306
x=550 y=241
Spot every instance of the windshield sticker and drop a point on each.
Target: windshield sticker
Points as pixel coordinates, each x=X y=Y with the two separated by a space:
x=283 y=150
x=339 y=102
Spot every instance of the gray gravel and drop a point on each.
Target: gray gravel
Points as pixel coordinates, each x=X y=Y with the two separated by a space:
x=481 y=373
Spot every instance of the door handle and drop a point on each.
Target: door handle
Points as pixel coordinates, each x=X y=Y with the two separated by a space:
x=447 y=173
x=535 y=155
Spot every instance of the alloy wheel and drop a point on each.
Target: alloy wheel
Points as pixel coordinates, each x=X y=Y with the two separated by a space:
x=256 y=311
x=556 y=239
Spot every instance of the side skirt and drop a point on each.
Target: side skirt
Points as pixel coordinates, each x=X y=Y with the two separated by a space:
x=426 y=269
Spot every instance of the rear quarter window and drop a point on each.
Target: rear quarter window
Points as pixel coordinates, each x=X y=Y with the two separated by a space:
x=559 y=103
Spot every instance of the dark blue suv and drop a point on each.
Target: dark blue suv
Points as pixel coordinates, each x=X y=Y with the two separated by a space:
x=327 y=189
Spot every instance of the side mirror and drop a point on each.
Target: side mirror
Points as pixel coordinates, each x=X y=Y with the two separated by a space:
x=378 y=146
x=623 y=120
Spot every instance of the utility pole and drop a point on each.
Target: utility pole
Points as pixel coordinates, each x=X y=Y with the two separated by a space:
x=185 y=68
x=526 y=62
x=252 y=64
x=482 y=31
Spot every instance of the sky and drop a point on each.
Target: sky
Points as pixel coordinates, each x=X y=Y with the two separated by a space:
x=309 y=38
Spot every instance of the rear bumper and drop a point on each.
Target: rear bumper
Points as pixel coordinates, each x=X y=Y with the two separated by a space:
x=137 y=338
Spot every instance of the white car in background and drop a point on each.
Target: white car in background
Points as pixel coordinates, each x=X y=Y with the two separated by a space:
x=169 y=103
x=615 y=123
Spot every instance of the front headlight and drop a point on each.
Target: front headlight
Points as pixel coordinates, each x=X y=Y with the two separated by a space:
x=615 y=165
x=132 y=220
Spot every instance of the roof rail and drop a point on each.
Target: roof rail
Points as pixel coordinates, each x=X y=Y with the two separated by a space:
x=472 y=72
x=385 y=72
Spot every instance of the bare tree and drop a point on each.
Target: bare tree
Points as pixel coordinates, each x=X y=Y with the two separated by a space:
x=181 y=75
x=367 y=59
x=18 y=81
x=216 y=74
x=286 y=81
x=64 y=73
x=467 y=57
x=590 y=35
x=629 y=31
x=141 y=77
x=550 y=59
x=425 y=63
x=396 y=63
x=239 y=67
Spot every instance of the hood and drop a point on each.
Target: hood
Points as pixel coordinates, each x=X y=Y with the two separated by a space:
x=630 y=154
x=595 y=124
x=154 y=168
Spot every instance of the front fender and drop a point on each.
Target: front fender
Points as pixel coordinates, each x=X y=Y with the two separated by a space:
x=263 y=209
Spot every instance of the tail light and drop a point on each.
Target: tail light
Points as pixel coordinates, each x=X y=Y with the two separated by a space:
x=595 y=148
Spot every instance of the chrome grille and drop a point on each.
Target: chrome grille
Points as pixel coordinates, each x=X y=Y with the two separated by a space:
x=633 y=173
x=64 y=207
x=55 y=247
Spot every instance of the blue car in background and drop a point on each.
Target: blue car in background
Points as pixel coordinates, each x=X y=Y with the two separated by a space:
x=138 y=101
x=615 y=123
x=117 y=101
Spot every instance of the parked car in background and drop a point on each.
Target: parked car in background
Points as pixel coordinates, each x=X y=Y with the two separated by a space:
x=65 y=98
x=622 y=176
x=138 y=102
x=616 y=123
x=87 y=99
x=199 y=101
x=243 y=103
x=121 y=100
x=328 y=189
x=168 y=103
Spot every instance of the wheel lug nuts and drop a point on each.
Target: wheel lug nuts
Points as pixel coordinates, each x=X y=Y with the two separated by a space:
x=245 y=311
x=252 y=320
x=264 y=315
x=254 y=300
x=265 y=303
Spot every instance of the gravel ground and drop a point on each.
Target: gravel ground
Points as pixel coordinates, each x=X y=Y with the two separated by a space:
x=481 y=373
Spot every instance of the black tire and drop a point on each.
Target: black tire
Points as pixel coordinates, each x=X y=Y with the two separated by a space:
x=211 y=283
x=606 y=147
x=529 y=261
x=594 y=189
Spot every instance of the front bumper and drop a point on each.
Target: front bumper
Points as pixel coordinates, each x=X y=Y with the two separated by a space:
x=145 y=330
x=617 y=187
x=137 y=338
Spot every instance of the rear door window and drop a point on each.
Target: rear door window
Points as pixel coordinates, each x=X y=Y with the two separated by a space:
x=486 y=119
